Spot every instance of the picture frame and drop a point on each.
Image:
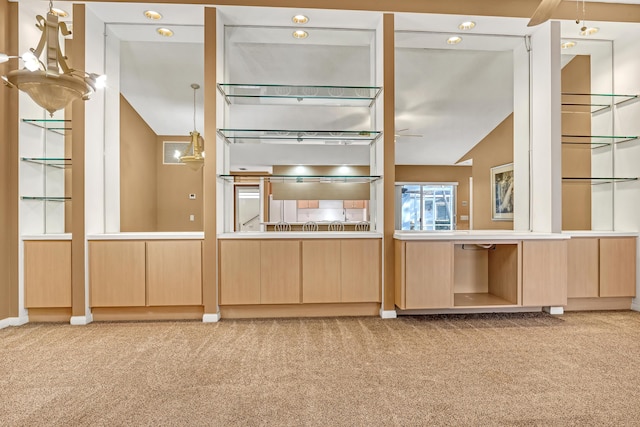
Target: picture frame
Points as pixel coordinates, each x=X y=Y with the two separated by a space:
x=502 y=192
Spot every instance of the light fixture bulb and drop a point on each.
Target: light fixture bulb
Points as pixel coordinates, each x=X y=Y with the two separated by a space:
x=300 y=34
x=454 y=40
x=31 y=63
x=3 y=57
x=467 y=25
x=164 y=32
x=584 y=31
x=153 y=15
x=59 y=12
x=101 y=81
x=300 y=19
x=568 y=45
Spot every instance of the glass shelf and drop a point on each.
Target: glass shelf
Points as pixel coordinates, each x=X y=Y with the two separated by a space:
x=307 y=137
x=593 y=102
x=53 y=162
x=58 y=126
x=269 y=94
x=596 y=181
x=596 y=141
x=46 y=199
x=308 y=178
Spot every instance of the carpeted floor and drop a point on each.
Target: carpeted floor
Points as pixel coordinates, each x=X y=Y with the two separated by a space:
x=579 y=369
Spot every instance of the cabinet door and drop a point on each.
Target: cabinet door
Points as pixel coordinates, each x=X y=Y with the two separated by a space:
x=428 y=275
x=321 y=271
x=582 y=268
x=618 y=267
x=360 y=270
x=544 y=273
x=303 y=204
x=239 y=272
x=174 y=272
x=347 y=204
x=47 y=274
x=358 y=204
x=117 y=273
x=314 y=204
x=280 y=272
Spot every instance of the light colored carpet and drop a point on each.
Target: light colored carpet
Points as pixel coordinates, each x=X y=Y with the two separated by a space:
x=518 y=369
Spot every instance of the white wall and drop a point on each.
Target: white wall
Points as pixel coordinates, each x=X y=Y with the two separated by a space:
x=627 y=155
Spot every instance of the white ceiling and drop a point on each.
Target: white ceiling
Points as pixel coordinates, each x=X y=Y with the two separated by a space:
x=453 y=107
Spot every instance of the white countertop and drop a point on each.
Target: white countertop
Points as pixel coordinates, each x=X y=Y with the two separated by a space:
x=595 y=233
x=58 y=236
x=302 y=235
x=184 y=235
x=477 y=235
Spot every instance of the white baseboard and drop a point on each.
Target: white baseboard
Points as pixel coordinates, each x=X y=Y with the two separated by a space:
x=14 y=321
x=635 y=306
x=388 y=314
x=211 y=318
x=555 y=311
x=81 y=320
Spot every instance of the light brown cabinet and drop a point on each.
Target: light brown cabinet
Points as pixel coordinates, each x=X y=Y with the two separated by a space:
x=353 y=204
x=138 y=273
x=299 y=271
x=174 y=273
x=47 y=273
x=426 y=274
x=601 y=267
x=583 y=268
x=544 y=273
x=618 y=267
x=117 y=274
x=308 y=204
x=321 y=271
x=259 y=272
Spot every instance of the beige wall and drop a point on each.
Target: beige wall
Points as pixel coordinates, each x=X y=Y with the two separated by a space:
x=495 y=149
x=8 y=167
x=175 y=183
x=138 y=169
x=576 y=159
x=459 y=174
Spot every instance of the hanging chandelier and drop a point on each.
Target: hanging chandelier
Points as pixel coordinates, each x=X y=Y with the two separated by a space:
x=193 y=156
x=52 y=84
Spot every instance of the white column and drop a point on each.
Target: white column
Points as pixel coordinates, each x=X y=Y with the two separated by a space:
x=546 y=153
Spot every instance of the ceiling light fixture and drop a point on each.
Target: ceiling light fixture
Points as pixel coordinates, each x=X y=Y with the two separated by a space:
x=153 y=15
x=193 y=156
x=59 y=12
x=568 y=45
x=52 y=84
x=300 y=34
x=300 y=19
x=584 y=31
x=164 y=32
x=454 y=40
x=467 y=25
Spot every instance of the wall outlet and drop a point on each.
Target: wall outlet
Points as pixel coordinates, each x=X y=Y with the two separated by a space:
x=464 y=203
x=192 y=217
x=192 y=196
x=464 y=217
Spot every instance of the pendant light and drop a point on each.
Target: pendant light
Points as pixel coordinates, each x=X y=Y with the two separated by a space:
x=193 y=156
x=51 y=84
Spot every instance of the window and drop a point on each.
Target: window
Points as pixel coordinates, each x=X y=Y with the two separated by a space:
x=426 y=206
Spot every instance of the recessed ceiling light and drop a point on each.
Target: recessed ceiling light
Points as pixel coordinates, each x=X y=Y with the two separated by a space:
x=299 y=34
x=59 y=12
x=164 y=32
x=454 y=40
x=467 y=25
x=152 y=14
x=588 y=31
x=568 y=45
x=300 y=19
